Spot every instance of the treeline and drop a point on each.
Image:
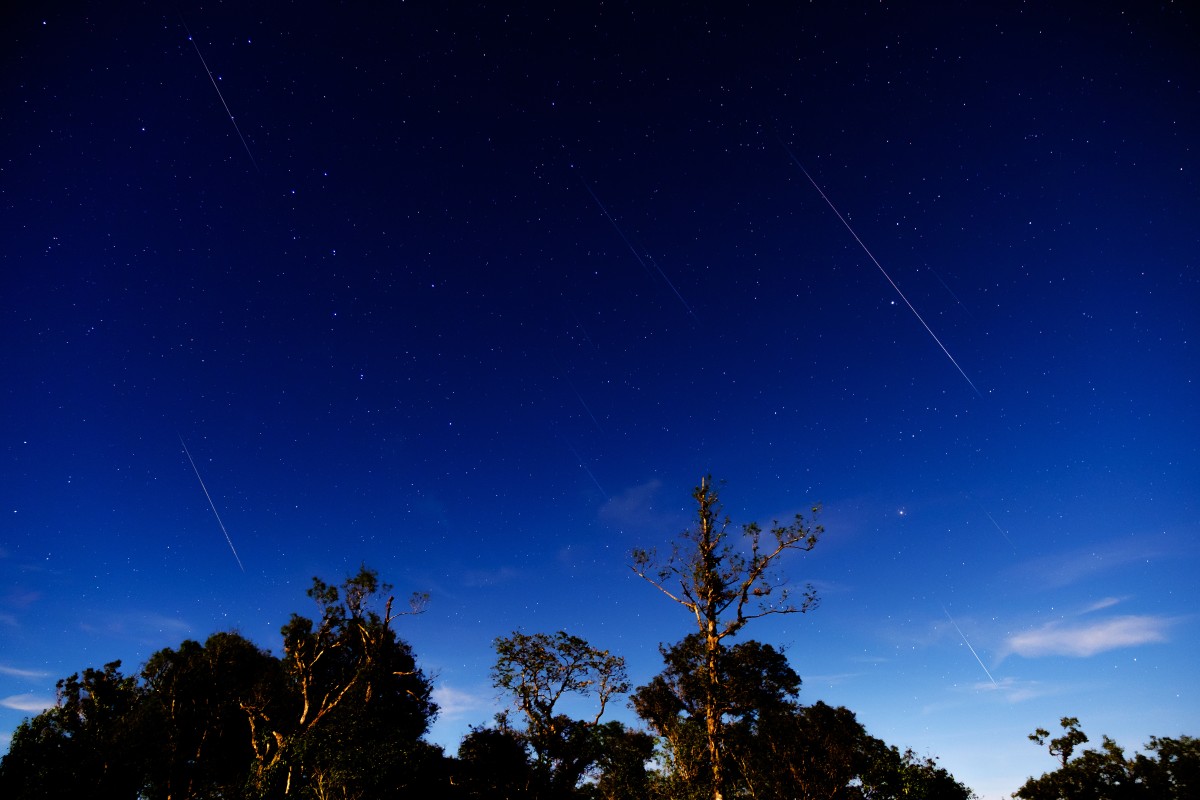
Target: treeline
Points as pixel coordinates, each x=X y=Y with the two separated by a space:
x=1170 y=772
x=343 y=713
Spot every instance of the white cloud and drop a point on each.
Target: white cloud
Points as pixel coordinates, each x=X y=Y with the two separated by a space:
x=27 y=702
x=1087 y=640
x=456 y=702
x=32 y=674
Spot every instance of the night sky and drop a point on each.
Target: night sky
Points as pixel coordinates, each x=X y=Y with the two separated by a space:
x=477 y=296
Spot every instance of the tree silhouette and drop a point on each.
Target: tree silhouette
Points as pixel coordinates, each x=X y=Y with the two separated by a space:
x=725 y=581
x=1173 y=774
x=538 y=670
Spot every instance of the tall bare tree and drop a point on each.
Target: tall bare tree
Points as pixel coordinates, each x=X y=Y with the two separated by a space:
x=726 y=580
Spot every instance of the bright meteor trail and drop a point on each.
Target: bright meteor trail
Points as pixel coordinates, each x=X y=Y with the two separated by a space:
x=968 y=644
x=211 y=504
x=875 y=261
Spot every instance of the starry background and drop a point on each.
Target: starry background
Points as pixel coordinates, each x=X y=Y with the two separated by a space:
x=476 y=296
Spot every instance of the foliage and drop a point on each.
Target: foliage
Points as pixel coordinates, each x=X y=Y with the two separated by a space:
x=622 y=757
x=354 y=698
x=193 y=700
x=893 y=775
x=1062 y=746
x=87 y=745
x=538 y=670
x=494 y=764
x=724 y=581
x=1106 y=773
x=341 y=715
x=773 y=746
x=754 y=682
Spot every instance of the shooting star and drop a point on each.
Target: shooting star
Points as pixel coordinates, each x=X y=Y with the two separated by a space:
x=997 y=524
x=637 y=255
x=212 y=505
x=972 y=649
x=875 y=261
x=208 y=71
x=582 y=402
x=579 y=461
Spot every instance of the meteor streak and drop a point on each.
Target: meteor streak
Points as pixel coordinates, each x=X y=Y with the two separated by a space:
x=875 y=261
x=211 y=504
x=997 y=524
x=637 y=255
x=208 y=71
x=968 y=644
x=583 y=465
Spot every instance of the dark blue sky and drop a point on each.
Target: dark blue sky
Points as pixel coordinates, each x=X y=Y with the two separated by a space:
x=477 y=296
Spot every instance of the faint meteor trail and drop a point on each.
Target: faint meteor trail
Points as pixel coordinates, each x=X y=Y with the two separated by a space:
x=636 y=255
x=997 y=524
x=968 y=644
x=950 y=291
x=582 y=464
x=208 y=71
x=582 y=402
x=211 y=504
x=875 y=261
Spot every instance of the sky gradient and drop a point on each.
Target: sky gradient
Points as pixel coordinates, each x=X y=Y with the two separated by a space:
x=476 y=297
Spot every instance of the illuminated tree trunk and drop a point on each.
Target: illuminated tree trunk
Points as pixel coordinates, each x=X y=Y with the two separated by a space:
x=710 y=594
x=725 y=587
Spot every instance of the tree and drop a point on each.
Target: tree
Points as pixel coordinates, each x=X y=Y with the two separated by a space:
x=493 y=764
x=87 y=745
x=342 y=715
x=755 y=682
x=1107 y=774
x=354 y=703
x=622 y=757
x=193 y=698
x=725 y=582
x=1175 y=771
x=1064 y=745
x=537 y=670
x=892 y=775
x=816 y=751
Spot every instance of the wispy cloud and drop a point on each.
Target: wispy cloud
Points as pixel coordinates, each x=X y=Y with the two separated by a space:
x=831 y=679
x=31 y=674
x=1099 y=605
x=634 y=509
x=1013 y=690
x=21 y=598
x=454 y=703
x=1070 y=567
x=30 y=703
x=147 y=627
x=1055 y=639
x=475 y=578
